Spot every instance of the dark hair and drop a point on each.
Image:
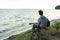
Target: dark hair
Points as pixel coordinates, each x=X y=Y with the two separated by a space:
x=40 y=12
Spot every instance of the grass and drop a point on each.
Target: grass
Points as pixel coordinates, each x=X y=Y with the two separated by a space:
x=55 y=26
x=23 y=36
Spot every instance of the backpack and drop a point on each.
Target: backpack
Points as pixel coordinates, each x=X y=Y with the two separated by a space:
x=48 y=24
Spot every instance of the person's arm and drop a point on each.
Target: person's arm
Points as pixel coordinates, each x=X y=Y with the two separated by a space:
x=32 y=23
x=39 y=21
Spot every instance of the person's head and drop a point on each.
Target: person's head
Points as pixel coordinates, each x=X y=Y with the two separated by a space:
x=40 y=12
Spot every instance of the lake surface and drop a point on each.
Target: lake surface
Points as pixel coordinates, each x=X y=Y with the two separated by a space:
x=15 y=21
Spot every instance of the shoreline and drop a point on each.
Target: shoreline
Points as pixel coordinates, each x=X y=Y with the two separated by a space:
x=11 y=37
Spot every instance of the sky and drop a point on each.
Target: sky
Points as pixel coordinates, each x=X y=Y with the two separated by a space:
x=29 y=4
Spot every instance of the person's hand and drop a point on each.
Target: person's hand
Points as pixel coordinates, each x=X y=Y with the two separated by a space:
x=31 y=23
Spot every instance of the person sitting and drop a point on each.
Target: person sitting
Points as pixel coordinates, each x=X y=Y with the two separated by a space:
x=43 y=21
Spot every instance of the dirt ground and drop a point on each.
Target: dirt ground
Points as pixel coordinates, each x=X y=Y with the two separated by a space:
x=48 y=35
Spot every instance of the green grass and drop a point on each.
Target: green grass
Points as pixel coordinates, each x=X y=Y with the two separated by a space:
x=23 y=36
x=55 y=26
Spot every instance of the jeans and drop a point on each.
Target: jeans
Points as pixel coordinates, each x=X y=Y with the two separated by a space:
x=37 y=26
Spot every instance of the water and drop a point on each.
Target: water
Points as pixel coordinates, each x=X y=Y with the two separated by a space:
x=16 y=21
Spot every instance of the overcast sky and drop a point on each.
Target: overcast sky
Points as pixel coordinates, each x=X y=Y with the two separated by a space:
x=28 y=4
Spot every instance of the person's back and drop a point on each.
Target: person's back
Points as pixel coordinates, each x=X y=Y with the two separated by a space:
x=42 y=21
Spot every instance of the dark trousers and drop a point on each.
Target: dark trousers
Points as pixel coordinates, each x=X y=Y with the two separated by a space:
x=38 y=27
